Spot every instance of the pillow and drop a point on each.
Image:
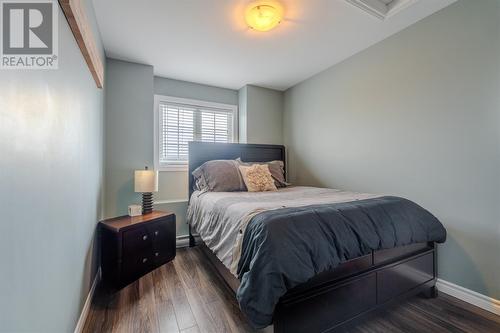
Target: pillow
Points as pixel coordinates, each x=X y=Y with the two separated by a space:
x=275 y=167
x=218 y=176
x=258 y=178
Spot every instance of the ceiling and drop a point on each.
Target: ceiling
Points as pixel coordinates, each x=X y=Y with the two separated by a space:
x=207 y=41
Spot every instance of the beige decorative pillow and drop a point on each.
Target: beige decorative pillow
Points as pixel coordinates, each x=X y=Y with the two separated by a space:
x=257 y=178
x=275 y=167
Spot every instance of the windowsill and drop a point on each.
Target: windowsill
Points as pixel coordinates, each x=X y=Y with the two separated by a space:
x=173 y=168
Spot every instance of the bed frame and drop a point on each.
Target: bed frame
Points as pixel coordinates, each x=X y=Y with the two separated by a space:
x=331 y=300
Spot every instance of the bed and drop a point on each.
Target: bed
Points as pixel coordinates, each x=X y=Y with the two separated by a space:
x=310 y=259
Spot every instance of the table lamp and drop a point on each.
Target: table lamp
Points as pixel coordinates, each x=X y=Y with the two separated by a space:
x=146 y=182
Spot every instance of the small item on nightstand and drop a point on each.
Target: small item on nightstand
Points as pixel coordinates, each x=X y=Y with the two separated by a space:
x=146 y=182
x=134 y=210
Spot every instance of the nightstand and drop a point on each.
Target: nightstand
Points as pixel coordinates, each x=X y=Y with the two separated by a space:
x=134 y=246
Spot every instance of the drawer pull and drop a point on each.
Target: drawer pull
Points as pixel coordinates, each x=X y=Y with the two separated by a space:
x=157 y=233
x=144 y=237
x=144 y=260
x=157 y=254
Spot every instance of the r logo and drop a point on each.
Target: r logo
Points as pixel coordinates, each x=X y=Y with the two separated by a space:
x=27 y=28
x=29 y=34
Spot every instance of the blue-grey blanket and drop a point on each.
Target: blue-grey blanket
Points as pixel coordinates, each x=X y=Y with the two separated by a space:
x=286 y=247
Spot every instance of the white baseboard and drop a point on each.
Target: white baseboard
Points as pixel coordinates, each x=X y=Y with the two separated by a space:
x=167 y=202
x=86 y=306
x=183 y=241
x=469 y=296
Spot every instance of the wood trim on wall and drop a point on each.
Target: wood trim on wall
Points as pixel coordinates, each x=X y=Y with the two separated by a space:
x=77 y=20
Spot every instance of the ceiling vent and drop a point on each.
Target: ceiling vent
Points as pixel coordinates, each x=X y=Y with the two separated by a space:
x=382 y=9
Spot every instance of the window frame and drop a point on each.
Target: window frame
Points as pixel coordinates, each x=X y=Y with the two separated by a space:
x=183 y=165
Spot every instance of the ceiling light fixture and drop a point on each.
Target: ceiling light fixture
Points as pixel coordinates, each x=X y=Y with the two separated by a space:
x=263 y=15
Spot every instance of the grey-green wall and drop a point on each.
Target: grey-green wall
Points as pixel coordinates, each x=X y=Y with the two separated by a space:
x=130 y=88
x=128 y=131
x=260 y=115
x=51 y=177
x=242 y=114
x=173 y=185
x=416 y=115
x=184 y=89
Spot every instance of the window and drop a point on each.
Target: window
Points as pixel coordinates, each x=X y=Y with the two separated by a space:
x=179 y=120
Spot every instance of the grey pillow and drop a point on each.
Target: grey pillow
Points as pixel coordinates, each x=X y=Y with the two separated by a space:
x=277 y=169
x=219 y=176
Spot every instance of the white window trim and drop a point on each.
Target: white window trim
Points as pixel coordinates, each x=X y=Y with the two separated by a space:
x=183 y=166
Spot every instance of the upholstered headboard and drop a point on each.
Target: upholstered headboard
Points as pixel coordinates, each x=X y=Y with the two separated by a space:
x=200 y=152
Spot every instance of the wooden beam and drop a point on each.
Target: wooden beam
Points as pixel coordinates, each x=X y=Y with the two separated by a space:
x=75 y=14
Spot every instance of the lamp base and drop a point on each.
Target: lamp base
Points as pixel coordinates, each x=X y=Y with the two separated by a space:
x=147 y=202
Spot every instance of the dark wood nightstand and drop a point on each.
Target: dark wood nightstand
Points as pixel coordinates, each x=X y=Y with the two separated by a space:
x=134 y=246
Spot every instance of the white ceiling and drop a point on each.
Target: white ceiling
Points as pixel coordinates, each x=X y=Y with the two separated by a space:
x=207 y=41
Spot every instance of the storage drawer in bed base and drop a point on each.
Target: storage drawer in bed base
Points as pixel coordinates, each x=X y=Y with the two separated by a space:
x=360 y=265
x=336 y=304
x=333 y=299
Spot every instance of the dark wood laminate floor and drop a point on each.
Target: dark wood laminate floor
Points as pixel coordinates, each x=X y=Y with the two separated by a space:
x=186 y=295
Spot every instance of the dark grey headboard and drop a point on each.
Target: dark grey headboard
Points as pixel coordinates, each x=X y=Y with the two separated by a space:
x=200 y=152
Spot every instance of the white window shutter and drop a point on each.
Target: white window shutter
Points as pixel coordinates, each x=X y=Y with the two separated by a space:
x=176 y=131
x=181 y=123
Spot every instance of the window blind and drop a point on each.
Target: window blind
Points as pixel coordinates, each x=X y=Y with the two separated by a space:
x=180 y=123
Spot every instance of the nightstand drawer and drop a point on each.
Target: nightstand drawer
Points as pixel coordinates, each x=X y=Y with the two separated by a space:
x=136 y=266
x=136 y=240
x=160 y=231
x=161 y=256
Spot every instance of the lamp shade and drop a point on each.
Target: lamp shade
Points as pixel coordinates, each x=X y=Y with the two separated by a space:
x=146 y=181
